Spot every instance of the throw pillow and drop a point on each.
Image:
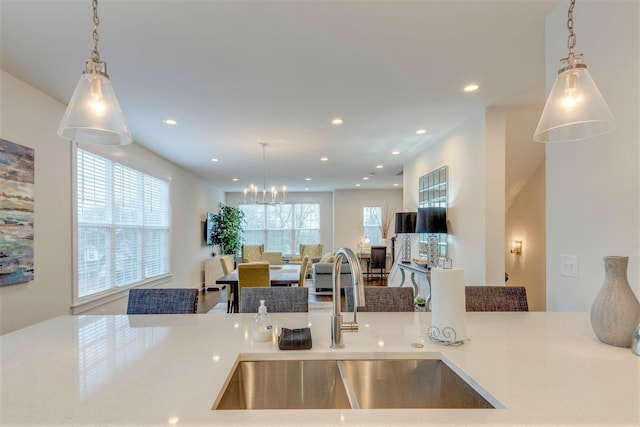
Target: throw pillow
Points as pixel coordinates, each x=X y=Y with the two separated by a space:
x=327 y=258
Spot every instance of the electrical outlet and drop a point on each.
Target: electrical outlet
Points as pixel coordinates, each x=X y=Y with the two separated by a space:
x=569 y=265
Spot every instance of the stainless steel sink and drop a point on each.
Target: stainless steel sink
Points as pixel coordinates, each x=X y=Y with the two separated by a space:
x=285 y=384
x=349 y=383
x=408 y=383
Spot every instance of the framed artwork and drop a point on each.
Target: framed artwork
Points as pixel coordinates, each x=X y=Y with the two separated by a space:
x=16 y=213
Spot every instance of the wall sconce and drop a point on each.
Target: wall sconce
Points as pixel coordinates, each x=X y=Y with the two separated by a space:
x=516 y=247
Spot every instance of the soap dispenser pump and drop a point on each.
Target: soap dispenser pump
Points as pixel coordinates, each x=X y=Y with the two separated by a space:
x=262 y=324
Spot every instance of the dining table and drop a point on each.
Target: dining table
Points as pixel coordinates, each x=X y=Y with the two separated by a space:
x=280 y=275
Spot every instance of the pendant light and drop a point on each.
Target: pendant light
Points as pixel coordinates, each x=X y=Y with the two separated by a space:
x=575 y=109
x=93 y=114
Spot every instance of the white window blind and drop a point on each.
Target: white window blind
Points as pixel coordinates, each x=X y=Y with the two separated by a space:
x=281 y=227
x=123 y=225
x=372 y=223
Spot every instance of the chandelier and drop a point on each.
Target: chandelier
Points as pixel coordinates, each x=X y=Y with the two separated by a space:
x=252 y=194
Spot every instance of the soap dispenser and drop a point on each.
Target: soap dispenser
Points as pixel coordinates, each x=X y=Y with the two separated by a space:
x=262 y=324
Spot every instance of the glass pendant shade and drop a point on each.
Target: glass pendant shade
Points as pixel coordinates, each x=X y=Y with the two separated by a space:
x=93 y=115
x=575 y=109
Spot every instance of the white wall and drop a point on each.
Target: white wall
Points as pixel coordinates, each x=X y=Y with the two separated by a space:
x=593 y=187
x=463 y=151
x=525 y=221
x=30 y=118
x=347 y=218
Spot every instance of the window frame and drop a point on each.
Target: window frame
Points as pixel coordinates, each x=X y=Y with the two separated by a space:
x=88 y=302
x=380 y=208
x=293 y=231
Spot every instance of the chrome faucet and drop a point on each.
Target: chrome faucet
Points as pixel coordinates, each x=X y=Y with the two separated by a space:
x=337 y=326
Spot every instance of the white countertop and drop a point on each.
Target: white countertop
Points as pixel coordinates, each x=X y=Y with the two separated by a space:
x=544 y=368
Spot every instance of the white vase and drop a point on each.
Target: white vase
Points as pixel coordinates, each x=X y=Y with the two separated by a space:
x=615 y=312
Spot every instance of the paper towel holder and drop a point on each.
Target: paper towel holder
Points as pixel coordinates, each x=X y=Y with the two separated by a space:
x=446 y=336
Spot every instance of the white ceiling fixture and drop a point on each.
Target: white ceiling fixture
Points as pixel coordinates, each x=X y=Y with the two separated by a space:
x=575 y=109
x=375 y=92
x=267 y=197
x=171 y=122
x=93 y=114
x=471 y=87
x=337 y=121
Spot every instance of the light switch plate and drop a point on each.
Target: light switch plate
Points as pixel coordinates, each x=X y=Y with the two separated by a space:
x=569 y=265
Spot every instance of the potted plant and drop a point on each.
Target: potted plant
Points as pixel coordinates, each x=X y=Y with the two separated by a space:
x=420 y=302
x=227 y=229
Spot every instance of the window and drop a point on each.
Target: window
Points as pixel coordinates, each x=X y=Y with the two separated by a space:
x=123 y=225
x=372 y=224
x=282 y=227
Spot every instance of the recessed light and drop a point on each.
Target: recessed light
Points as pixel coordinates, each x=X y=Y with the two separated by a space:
x=395 y=153
x=421 y=131
x=307 y=179
x=357 y=185
x=471 y=88
x=215 y=160
x=365 y=178
x=324 y=159
x=170 y=121
x=396 y=184
x=337 y=121
x=306 y=189
x=379 y=166
x=234 y=179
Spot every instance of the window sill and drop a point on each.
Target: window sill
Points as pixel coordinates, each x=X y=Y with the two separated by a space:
x=95 y=301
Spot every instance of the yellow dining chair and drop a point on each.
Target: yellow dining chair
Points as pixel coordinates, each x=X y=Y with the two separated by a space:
x=303 y=270
x=227 y=267
x=273 y=258
x=252 y=253
x=252 y=274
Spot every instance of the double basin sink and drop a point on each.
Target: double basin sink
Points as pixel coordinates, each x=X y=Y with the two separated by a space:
x=349 y=384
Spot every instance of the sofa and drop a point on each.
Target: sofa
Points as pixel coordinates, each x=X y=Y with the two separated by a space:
x=321 y=272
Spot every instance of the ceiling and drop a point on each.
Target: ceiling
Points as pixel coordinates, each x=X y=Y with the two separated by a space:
x=237 y=73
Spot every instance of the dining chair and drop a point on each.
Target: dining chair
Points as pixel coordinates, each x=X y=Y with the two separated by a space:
x=252 y=253
x=273 y=258
x=163 y=301
x=378 y=259
x=496 y=298
x=252 y=274
x=280 y=299
x=227 y=267
x=303 y=271
x=382 y=298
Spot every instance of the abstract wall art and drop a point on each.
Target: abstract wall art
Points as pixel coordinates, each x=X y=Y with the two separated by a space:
x=16 y=213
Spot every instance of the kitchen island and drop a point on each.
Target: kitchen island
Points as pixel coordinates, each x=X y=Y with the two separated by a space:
x=541 y=369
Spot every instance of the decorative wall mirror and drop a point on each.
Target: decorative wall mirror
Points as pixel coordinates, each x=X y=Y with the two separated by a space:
x=432 y=192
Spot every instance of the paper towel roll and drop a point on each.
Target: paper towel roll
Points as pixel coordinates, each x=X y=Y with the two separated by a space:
x=448 y=302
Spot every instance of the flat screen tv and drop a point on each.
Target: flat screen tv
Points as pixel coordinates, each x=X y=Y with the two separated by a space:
x=209 y=225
